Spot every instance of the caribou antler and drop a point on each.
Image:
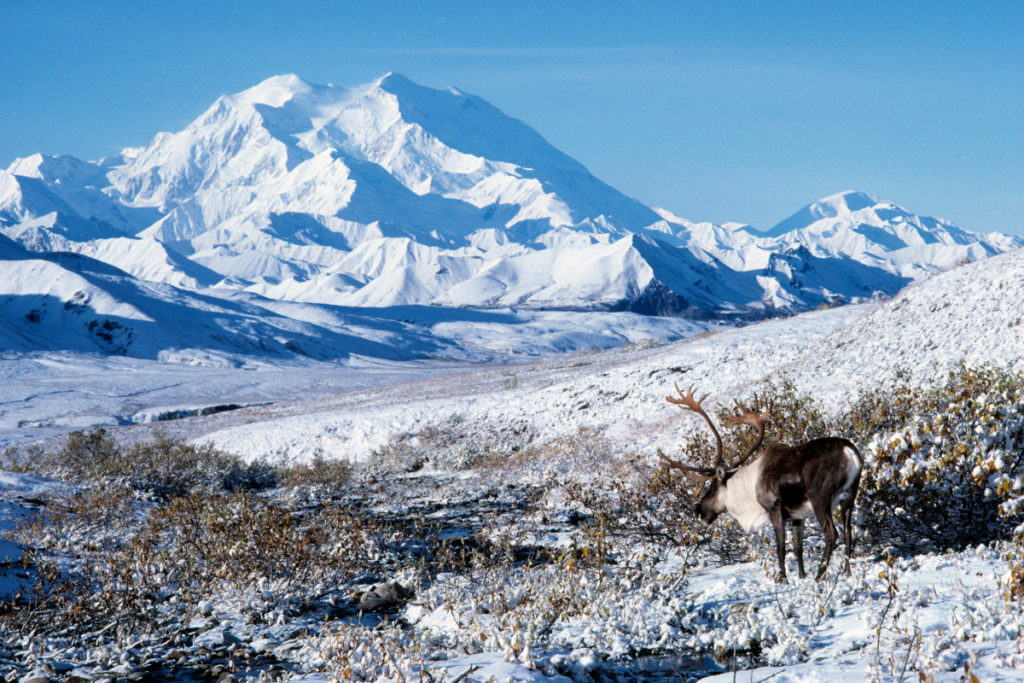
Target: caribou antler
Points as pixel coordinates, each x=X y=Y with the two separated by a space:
x=699 y=475
x=688 y=402
x=749 y=417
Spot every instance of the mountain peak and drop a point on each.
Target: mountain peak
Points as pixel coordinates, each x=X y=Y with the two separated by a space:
x=844 y=202
x=391 y=193
x=840 y=204
x=274 y=91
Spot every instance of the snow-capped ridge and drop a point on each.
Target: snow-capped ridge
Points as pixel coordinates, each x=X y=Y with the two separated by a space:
x=839 y=204
x=273 y=92
x=392 y=193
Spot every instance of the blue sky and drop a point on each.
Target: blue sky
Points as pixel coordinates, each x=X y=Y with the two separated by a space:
x=720 y=111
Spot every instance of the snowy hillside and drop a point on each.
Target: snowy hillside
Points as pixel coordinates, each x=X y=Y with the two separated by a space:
x=392 y=194
x=68 y=302
x=971 y=313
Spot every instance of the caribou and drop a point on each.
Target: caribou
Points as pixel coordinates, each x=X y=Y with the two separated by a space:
x=787 y=483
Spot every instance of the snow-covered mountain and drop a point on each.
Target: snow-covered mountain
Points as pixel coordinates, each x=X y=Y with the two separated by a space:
x=393 y=194
x=69 y=302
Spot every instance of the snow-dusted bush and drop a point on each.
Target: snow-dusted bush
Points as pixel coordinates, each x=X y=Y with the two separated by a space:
x=164 y=466
x=103 y=554
x=332 y=474
x=452 y=444
x=944 y=465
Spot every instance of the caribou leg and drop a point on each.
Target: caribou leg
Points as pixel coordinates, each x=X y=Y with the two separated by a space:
x=776 y=515
x=848 y=533
x=798 y=545
x=831 y=535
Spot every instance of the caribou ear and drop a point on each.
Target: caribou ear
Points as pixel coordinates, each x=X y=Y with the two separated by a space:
x=720 y=474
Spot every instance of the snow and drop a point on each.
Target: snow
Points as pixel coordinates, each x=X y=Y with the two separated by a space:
x=936 y=593
x=953 y=600
x=832 y=354
x=971 y=313
x=45 y=393
x=319 y=270
x=290 y=190
x=349 y=406
x=15 y=489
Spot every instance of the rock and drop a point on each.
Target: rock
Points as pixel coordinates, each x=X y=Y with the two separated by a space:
x=215 y=639
x=138 y=676
x=35 y=676
x=58 y=666
x=384 y=596
x=264 y=644
x=206 y=608
x=79 y=676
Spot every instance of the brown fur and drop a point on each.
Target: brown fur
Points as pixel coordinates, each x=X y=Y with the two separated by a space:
x=792 y=477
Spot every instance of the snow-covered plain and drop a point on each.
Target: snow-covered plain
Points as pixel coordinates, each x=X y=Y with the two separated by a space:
x=832 y=354
x=48 y=393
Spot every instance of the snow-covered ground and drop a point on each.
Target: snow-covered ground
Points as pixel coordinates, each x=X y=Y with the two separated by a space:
x=43 y=394
x=972 y=313
x=947 y=610
x=933 y=613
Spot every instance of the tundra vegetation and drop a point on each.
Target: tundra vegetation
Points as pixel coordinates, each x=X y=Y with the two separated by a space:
x=465 y=537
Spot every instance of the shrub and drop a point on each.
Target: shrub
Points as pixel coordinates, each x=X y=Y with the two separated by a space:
x=449 y=445
x=333 y=474
x=143 y=569
x=165 y=466
x=944 y=464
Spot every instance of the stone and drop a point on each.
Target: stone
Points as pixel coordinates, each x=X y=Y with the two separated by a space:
x=79 y=676
x=384 y=596
x=35 y=676
x=264 y=644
